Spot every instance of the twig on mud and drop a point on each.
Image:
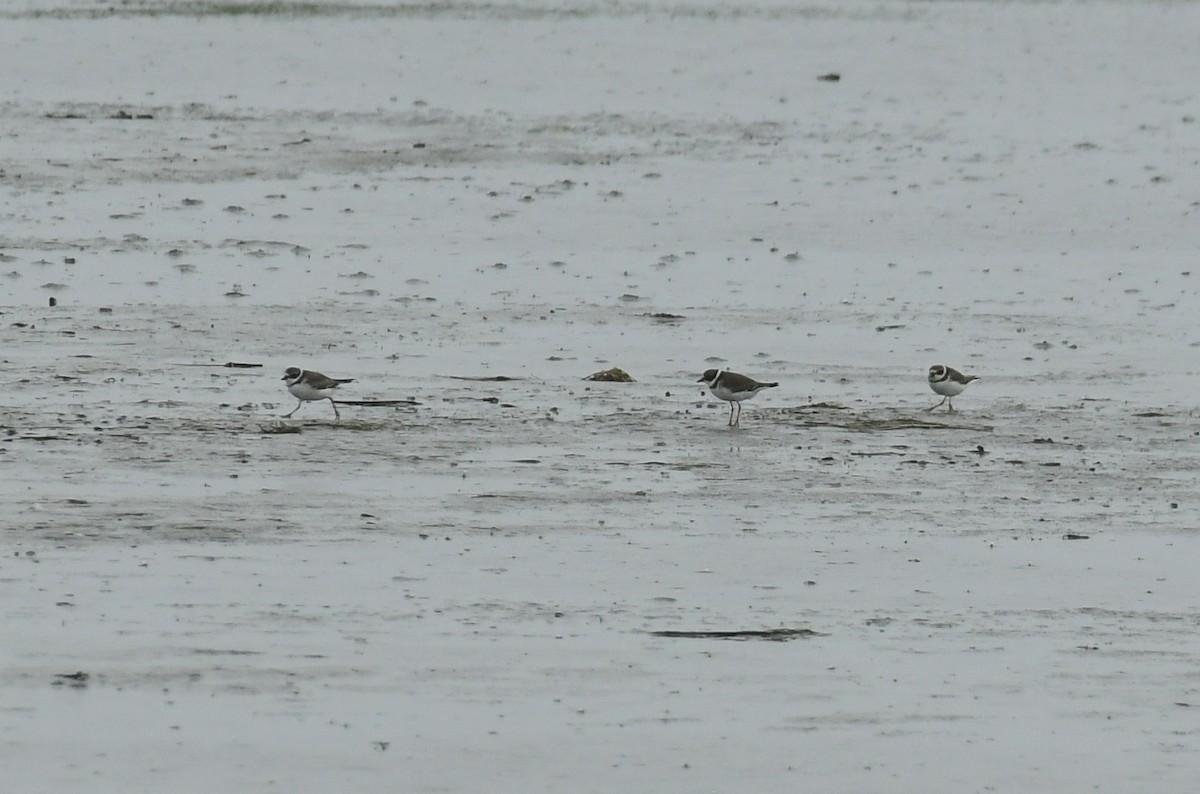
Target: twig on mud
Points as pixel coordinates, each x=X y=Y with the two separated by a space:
x=776 y=635
x=227 y=365
x=482 y=378
x=815 y=407
x=376 y=403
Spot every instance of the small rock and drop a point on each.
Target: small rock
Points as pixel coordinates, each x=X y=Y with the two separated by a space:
x=613 y=375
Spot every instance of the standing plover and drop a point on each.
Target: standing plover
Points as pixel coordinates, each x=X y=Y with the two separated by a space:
x=733 y=388
x=306 y=386
x=949 y=383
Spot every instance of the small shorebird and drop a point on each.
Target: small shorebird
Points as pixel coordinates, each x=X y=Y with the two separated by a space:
x=949 y=383
x=306 y=386
x=733 y=388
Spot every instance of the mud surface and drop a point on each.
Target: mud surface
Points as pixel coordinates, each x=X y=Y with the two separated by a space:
x=532 y=582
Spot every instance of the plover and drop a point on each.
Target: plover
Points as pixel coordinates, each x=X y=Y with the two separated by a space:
x=306 y=386
x=949 y=383
x=733 y=388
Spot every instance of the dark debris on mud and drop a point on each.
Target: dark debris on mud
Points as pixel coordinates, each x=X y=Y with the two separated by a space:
x=833 y=415
x=774 y=635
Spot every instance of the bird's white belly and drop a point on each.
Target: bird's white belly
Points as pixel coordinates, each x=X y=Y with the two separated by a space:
x=302 y=391
x=722 y=393
x=947 y=388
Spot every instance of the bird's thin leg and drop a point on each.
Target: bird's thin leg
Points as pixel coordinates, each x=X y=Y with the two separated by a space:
x=730 y=422
x=738 y=422
x=949 y=406
x=335 y=410
x=297 y=408
x=939 y=405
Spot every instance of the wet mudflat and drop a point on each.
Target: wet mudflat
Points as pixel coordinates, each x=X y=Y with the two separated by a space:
x=546 y=583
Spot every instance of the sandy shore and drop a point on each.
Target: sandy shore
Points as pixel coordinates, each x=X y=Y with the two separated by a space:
x=469 y=594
